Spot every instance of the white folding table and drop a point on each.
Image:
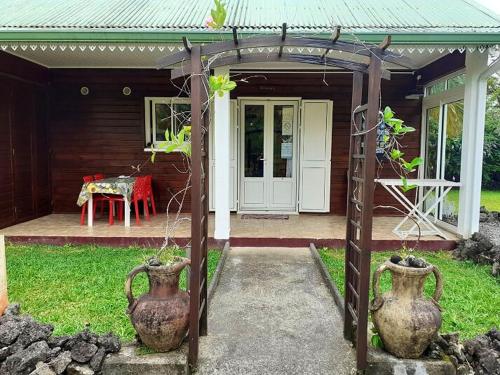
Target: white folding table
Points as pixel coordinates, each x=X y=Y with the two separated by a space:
x=422 y=215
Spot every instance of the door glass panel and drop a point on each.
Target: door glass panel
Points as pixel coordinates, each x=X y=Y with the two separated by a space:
x=454 y=114
x=283 y=140
x=254 y=140
x=163 y=120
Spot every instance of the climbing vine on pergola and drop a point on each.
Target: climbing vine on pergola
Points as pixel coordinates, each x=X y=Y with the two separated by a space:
x=195 y=62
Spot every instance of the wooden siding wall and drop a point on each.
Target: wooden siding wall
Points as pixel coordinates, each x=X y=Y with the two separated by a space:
x=338 y=87
x=103 y=132
x=24 y=160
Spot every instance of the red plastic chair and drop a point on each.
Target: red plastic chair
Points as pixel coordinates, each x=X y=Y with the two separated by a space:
x=149 y=192
x=98 y=177
x=139 y=192
x=95 y=198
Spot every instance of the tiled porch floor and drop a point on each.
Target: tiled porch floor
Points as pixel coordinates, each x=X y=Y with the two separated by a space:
x=307 y=226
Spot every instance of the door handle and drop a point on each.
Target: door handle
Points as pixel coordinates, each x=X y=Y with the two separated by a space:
x=262 y=159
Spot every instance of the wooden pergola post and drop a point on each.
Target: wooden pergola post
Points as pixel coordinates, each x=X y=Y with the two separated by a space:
x=361 y=188
x=199 y=206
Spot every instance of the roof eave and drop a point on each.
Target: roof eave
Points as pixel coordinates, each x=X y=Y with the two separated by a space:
x=157 y=36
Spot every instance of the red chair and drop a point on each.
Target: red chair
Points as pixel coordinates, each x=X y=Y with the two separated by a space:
x=139 y=192
x=149 y=192
x=95 y=198
x=98 y=177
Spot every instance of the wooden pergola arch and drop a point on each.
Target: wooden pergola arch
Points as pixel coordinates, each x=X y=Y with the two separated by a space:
x=193 y=63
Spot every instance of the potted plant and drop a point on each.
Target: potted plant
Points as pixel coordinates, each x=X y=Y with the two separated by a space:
x=404 y=319
x=161 y=315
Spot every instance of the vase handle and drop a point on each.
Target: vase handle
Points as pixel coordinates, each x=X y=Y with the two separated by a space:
x=128 y=287
x=439 y=284
x=377 y=297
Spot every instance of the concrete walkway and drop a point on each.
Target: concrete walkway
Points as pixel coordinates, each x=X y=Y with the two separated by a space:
x=272 y=314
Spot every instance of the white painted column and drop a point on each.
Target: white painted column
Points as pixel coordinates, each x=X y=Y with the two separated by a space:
x=222 y=149
x=472 y=143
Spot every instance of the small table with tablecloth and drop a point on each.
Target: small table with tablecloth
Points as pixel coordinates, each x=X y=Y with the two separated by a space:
x=112 y=186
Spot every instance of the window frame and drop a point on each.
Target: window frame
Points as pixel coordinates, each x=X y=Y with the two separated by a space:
x=439 y=100
x=150 y=118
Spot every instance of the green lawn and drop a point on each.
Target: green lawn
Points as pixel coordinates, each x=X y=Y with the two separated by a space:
x=70 y=286
x=489 y=198
x=471 y=297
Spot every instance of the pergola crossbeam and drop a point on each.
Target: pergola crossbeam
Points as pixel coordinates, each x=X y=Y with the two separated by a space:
x=187 y=45
x=185 y=69
x=278 y=41
x=335 y=37
x=235 y=40
x=283 y=37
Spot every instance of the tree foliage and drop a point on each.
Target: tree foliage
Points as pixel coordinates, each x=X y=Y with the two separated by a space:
x=491 y=151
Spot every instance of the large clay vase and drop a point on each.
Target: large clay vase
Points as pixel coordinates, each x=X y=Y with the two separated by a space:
x=160 y=316
x=405 y=320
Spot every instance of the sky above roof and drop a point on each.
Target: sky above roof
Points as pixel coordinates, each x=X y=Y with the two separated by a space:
x=491 y=4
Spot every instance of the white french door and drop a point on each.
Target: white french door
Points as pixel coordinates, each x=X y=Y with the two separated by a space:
x=268 y=155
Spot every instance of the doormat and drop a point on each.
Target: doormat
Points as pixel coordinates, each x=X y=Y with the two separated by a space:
x=264 y=216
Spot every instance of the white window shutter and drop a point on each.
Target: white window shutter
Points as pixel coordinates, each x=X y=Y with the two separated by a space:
x=315 y=155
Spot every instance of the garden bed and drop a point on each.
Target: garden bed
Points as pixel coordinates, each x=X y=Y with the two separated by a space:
x=471 y=296
x=71 y=286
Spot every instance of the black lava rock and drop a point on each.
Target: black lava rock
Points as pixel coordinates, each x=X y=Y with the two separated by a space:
x=24 y=361
x=83 y=351
x=110 y=343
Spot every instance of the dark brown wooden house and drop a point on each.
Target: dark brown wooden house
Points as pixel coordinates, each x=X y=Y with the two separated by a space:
x=80 y=93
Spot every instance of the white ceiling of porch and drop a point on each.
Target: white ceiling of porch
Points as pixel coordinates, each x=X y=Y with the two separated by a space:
x=146 y=56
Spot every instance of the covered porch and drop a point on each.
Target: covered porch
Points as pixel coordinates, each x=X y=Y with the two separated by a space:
x=86 y=111
x=246 y=230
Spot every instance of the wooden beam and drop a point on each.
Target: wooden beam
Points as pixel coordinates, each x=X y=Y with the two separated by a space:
x=356 y=100
x=186 y=69
x=235 y=39
x=196 y=209
x=187 y=44
x=385 y=43
x=283 y=37
x=277 y=41
x=370 y=146
x=335 y=37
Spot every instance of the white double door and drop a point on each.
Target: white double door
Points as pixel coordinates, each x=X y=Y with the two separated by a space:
x=268 y=155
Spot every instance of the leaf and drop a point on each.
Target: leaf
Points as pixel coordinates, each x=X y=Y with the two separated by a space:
x=407 y=129
x=388 y=114
x=153 y=156
x=396 y=154
x=376 y=342
x=405 y=188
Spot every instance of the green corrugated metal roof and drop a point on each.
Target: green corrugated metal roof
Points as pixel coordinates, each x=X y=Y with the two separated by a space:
x=92 y=17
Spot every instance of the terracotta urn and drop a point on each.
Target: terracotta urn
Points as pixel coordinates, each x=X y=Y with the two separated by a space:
x=161 y=315
x=405 y=319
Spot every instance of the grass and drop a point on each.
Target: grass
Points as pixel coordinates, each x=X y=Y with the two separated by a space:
x=489 y=198
x=471 y=297
x=70 y=286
